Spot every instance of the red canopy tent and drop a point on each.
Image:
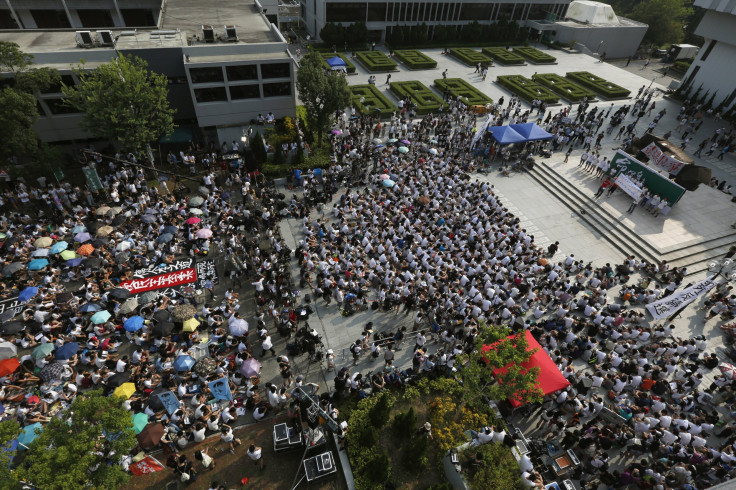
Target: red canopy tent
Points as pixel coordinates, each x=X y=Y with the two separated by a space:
x=550 y=378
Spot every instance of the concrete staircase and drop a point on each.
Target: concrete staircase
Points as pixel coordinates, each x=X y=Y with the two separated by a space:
x=694 y=255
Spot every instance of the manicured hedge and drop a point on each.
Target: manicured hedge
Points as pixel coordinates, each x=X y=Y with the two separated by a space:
x=527 y=89
x=426 y=100
x=325 y=56
x=470 y=56
x=415 y=59
x=457 y=86
x=600 y=85
x=564 y=87
x=372 y=99
x=503 y=56
x=534 y=55
x=375 y=61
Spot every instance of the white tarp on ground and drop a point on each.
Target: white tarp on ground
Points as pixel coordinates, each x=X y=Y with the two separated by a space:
x=591 y=13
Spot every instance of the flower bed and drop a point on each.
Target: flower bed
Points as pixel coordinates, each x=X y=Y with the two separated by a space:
x=415 y=59
x=564 y=87
x=470 y=56
x=534 y=55
x=375 y=61
x=372 y=99
x=426 y=100
x=325 y=56
x=503 y=56
x=457 y=86
x=527 y=89
x=601 y=86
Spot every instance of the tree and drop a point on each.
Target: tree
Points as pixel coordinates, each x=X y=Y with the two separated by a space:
x=477 y=371
x=9 y=430
x=123 y=101
x=322 y=94
x=258 y=148
x=665 y=18
x=18 y=108
x=72 y=451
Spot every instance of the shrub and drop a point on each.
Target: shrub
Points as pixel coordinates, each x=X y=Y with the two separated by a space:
x=534 y=55
x=470 y=56
x=503 y=56
x=425 y=100
x=378 y=467
x=681 y=66
x=326 y=56
x=258 y=148
x=527 y=89
x=380 y=412
x=600 y=85
x=499 y=468
x=413 y=457
x=375 y=61
x=404 y=423
x=564 y=87
x=414 y=59
x=372 y=99
x=457 y=86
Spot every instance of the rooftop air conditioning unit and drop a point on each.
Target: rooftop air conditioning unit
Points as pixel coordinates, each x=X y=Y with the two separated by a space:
x=105 y=38
x=84 y=39
x=230 y=34
x=208 y=34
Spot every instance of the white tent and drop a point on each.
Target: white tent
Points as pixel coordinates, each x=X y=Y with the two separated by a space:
x=591 y=13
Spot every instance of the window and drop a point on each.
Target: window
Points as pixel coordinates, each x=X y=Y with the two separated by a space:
x=505 y=11
x=242 y=72
x=7 y=21
x=212 y=94
x=138 y=17
x=376 y=12
x=280 y=89
x=93 y=18
x=537 y=11
x=206 y=75
x=707 y=51
x=275 y=70
x=57 y=106
x=67 y=80
x=475 y=11
x=50 y=19
x=245 y=91
x=345 y=12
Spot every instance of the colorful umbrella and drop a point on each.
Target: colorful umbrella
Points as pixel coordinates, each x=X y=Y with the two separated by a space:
x=41 y=252
x=250 y=367
x=406 y=142
x=37 y=264
x=184 y=363
x=190 y=325
x=193 y=221
x=8 y=366
x=133 y=324
x=43 y=242
x=59 y=247
x=85 y=249
x=29 y=434
x=42 y=350
x=204 y=233
x=433 y=151
x=27 y=293
x=78 y=229
x=101 y=317
x=105 y=230
x=125 y=390
x=82 y=237
x=140 y=421
x=403 y=149
x=66 y=351
x=183 y=312
x=383 y=176
x=101 y=211
x=68 y=255
x=728 y=370
x=388 y=183
x=74 y=262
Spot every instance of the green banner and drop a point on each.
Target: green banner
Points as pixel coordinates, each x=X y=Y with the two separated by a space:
x=651 y=179
x=93 y=180
x=59 y=174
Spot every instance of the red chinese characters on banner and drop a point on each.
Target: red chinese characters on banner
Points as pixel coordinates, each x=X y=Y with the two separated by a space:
x=168 y=280
x=146 y=466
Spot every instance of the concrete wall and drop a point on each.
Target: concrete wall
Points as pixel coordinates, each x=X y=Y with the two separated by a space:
x=717 y=72
x=618 y=41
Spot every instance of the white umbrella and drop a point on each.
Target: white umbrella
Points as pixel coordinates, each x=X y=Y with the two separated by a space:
x=196 y=211
x=123 y=246
x=7 y=350
x=41 y=252
x=239 y=327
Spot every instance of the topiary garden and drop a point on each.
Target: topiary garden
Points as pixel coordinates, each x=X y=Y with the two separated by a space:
x=503 y=56
x=375 y=61
x=601 y=86
x=470 y=56
x=534 y=55
x=458 y=87
x=425 y=100
x=415 y=59
x=369 y=99
x=326 y=56
x=527 y=89
x=565 y=88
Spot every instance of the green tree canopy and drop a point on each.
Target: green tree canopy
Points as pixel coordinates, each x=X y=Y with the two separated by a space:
x=322 y=94
x=123 y=101
x=666 y=19
x=72 y=451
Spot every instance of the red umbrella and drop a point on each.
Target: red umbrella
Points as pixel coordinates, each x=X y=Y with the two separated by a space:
x=193 y=221
x=728 y=370
x=8 y=366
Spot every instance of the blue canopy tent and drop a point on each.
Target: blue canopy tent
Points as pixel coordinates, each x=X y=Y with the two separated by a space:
x=505 y=135
x=531 y=132
x=337 y=63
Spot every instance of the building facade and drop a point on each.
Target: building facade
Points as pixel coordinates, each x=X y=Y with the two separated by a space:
x=714 y=68
x=225 y=65
x=380 y=16
x=79 y=14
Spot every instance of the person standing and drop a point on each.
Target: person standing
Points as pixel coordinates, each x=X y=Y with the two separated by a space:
x=255 y=453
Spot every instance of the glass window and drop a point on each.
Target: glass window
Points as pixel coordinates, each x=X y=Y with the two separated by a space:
x=376 y=12
x=475 y=11
x=280 y=89
x=275 y=70
x=212 y=94
x=708 y=49
x=505 y=10
x=345 y=12
x=538 y=11
x=242 y=72
x=245 y=91
x=206 y=75
x=57 y=106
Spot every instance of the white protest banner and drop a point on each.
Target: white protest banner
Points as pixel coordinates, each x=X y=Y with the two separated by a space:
x=670 y=304
x=483 y=128
x=628 y=186
x=665 y=162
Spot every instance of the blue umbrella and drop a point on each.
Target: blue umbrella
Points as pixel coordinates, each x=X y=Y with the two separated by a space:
x=148 y=218
x=90 y=307
x=37 y=264
x=79 y=229
x=28 y=434
x=133 y=324
x=82 y=237
x=166 y=237
x=171 y=229
x=101 y=317
x=59 y=247
x=184 y=363
x=74 y=262
x=66 y=351
x=27 y=293
x=388 y=183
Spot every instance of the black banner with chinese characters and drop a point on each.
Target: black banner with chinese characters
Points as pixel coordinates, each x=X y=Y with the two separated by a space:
x=206 y=271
